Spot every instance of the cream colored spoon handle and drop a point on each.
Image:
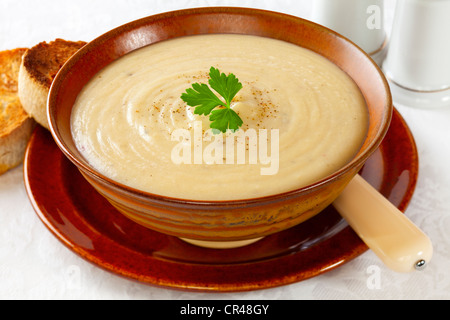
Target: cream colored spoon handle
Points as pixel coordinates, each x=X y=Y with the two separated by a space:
x=400 y=244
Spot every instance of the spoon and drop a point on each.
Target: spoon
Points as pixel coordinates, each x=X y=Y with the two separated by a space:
x=395 y=239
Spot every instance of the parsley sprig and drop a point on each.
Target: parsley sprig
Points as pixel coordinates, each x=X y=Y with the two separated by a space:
x=205 y=100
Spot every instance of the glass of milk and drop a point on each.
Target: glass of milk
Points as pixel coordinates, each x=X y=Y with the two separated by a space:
x=418 y=62
x=361 y=21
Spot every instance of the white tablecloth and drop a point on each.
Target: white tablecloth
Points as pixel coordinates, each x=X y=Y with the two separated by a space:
x=35 y=265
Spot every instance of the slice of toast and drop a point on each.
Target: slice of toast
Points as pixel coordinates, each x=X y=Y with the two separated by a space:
x=39 y=67
x=15 y=124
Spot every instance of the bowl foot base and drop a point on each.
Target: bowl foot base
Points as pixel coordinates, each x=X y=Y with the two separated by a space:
x=221 y=244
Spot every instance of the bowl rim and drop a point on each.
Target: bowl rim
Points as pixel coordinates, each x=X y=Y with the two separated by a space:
x=357 y=160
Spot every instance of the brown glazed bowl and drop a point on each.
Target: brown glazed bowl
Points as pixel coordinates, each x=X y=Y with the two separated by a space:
x=219 y=220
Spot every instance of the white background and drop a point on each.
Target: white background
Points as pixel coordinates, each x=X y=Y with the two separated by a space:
x=35 y=265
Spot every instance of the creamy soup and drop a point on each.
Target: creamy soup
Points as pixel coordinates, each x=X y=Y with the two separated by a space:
x=124 y=120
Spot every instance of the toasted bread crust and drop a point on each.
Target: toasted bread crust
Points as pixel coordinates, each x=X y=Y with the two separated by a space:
x=9 y=68
x=40 y=64
x=44 y=60
x=15 y=124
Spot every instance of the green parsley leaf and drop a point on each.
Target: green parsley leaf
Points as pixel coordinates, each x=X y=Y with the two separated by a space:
x=223 y=119
x=205 y=100
x=200 y=95
x=226 y=86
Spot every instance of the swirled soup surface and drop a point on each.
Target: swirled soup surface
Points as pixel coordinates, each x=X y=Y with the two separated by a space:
x=124 y=119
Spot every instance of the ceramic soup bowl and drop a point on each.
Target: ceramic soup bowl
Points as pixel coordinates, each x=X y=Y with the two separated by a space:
x=220 y=221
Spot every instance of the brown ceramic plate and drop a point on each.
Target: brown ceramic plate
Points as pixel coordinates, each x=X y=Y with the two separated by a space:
x=86 y=223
